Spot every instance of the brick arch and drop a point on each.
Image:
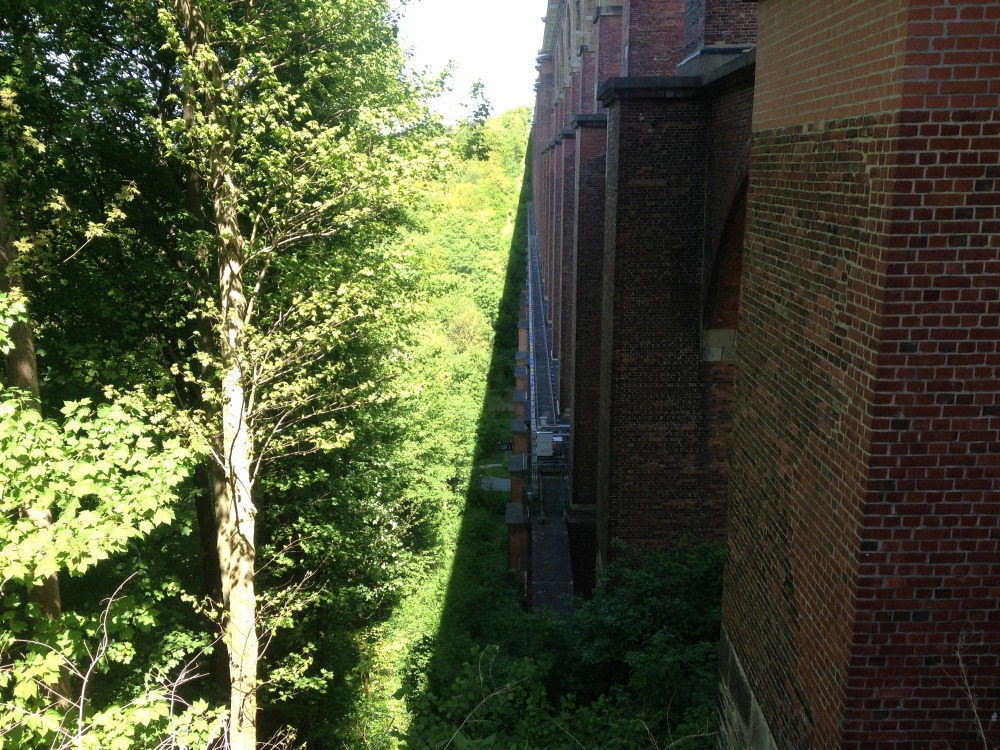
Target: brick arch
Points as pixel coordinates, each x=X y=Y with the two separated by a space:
x=722 y=298
x=717 y=373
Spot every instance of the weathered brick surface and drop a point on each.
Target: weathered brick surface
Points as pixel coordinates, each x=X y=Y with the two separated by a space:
x=547 y=239
x=585 y=363
x=648 y=465
x=717 y=381
x=652 y=37
x=665 y=418
x=520 y=404
x=521 y=378
x=609 y=46
x=844 y=60
x=929 y=574
x=729 y=117
x=542 y=129
x=863 y=540
x=520 y=440
x=728 y=163
x=708 y=23
x=724 y=270
x=553 y=274
x=810 y=296
x=588 y=70
x=694 y=27
x=545 y=93
x=730 y=22
x=563 y=343
x=543 y=133
x=518 y=481
x=519 y=548
x=864 y=549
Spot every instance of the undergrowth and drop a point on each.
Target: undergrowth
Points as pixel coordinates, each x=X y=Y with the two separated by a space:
x=634 y=667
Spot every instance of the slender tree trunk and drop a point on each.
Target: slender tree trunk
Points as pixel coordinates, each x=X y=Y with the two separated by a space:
x=211 y=480
x=21 y=368
x=209 y=476
x=234 y=509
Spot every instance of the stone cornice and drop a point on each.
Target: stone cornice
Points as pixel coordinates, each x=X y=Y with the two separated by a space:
x=599 y=120
x=551 y=19
x=607 y=10
x=737 y=71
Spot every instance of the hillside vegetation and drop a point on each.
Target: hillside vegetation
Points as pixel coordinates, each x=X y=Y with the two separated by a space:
x=258 y=315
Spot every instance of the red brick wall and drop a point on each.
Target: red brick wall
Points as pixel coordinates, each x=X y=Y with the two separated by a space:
x=930 y=540
x=652 y=37
x=863 y=537
x=574 y=91
x=543 y=99
x=540 y=139
x=674 y=160
x=725 y=276
x=588 y=69
x=521 y=380
x=554 y=274
x=714 y=22
x=717 y=379
x=604 y=524
x=694 y=27
x=730 y=22
x=730 y=115
x=609 y=48
x=563 y=344
x=517 y=484
x=519 y=549
x=520 y=442
x=810 y=294
x=586 y=359
x=952 y=58
x=545 y=132
x=648 y=468
x=549 y=238
x=841 y=59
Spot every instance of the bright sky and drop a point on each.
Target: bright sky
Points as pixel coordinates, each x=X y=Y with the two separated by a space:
x=490 y=40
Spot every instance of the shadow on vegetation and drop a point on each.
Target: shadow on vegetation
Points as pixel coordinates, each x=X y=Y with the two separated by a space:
x=635 y=667
x=481 y=604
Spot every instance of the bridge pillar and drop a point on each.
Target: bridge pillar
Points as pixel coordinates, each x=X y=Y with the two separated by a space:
x=648 y=488
x=861 y=603
x=563 y=344
x=584 y=368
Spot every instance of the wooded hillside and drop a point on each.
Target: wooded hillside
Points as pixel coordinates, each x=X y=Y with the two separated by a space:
x=251 y=288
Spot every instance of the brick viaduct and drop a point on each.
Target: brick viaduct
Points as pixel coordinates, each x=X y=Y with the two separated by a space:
x=770 y=244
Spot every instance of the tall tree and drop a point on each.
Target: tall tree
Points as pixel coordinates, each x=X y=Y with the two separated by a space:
x=275 y=148
x=21 y=364
x=304 y=138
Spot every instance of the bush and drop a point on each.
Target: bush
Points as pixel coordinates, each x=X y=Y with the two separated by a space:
x=636 y=666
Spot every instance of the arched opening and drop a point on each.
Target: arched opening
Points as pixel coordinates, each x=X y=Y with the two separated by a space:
x=722 y=300
x=718 y=355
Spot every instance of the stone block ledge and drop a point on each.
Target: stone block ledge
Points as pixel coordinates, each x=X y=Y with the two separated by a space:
x=589 y=121
x=735 y=72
